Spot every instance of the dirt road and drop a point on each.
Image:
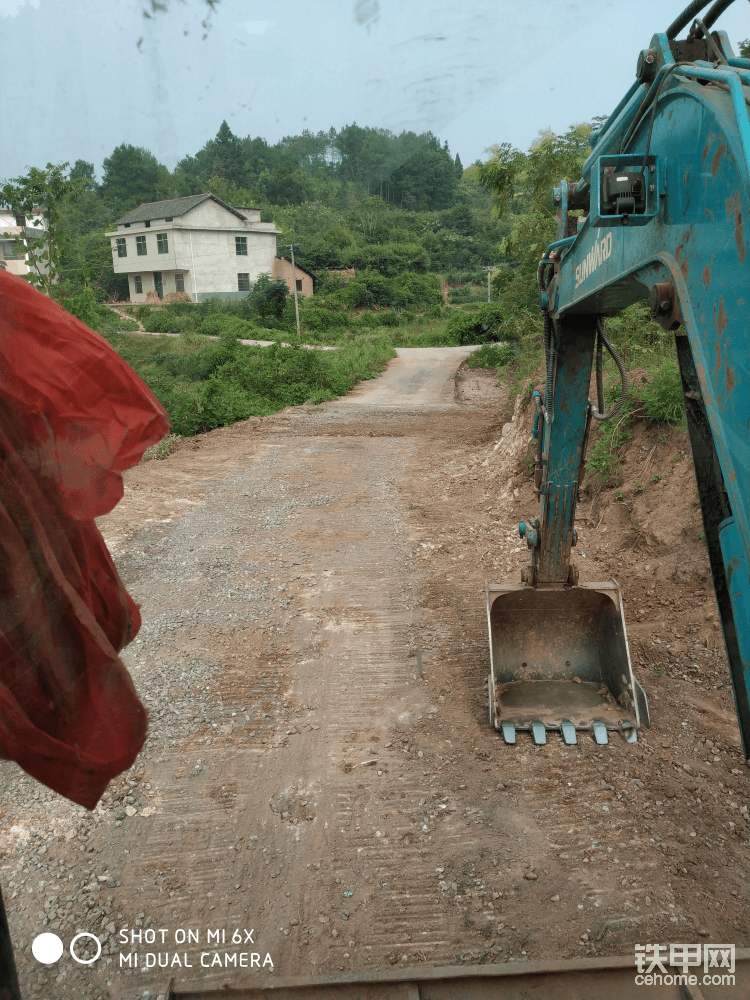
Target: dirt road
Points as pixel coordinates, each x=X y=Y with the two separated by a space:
x=320 y=779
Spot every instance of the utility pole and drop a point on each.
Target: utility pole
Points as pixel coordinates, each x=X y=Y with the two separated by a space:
x=488 y=269
x=294 y=284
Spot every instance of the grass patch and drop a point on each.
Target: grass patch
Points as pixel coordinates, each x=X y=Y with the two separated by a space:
x=96 y=315
x=207 y=384
x=434 y=333
x=162 y=449
x=662 y=397
x=167 y=321
x=604 y=457
x=492 y=356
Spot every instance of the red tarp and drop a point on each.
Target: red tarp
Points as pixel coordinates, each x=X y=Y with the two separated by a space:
x=73 y=417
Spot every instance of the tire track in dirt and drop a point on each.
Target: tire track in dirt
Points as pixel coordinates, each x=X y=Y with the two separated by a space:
x=368 y=610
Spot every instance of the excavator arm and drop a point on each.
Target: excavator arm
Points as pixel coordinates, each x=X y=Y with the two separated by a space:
x=661 y=211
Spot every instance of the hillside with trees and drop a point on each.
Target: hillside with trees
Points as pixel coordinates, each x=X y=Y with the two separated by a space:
x=418 y=230
x=360 y=197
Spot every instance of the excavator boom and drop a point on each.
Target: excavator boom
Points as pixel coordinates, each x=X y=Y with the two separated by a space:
x=661 y=211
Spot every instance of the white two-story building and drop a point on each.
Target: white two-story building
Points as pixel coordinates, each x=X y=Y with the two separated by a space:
x=12 y=227
x=197 y=244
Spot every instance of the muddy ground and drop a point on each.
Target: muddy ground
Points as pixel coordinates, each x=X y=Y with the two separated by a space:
x=320 y=772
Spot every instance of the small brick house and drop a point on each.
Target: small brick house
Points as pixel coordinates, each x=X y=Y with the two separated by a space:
x=282 y=268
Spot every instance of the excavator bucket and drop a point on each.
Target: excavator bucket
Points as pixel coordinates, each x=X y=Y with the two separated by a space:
x=559 y=662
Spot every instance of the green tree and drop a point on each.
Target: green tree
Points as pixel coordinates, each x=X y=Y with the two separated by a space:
x=459 y=168
x=501 y=174
x=369 y=213
x=522 y=186
x=268 y=297
x=228 y=153
x=87 y=254
x=286 y=184
x=425 y=177
x=553 y=158
x=42 y=192
x=313 y=151
x=85 y=171
x=388 y=259
x=132 y=175
x=258 y=156
x=354 y=147
x=238 y=161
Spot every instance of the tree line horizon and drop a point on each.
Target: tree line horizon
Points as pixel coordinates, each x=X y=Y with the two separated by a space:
x=408 y=170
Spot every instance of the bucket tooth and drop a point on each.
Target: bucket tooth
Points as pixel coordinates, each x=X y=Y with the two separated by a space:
x=572 y=666
x=509 y=732
x=629 y=732
x=568 y=732
x=539 y=733
x=600 y=732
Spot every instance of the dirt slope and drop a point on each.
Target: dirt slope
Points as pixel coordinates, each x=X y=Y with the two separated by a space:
x=320 y=768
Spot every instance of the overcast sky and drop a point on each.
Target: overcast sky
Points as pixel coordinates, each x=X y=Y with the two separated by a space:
x=475 y=72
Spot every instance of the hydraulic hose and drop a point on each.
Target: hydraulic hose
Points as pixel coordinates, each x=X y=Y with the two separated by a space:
x=686 y=17
x=598 y=413
x=599 y=374
x=716 y=11
x=550 y=356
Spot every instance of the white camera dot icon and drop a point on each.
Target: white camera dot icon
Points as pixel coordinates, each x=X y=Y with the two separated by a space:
x=47 y=948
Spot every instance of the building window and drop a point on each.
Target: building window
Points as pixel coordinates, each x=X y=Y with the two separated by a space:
x=162 y=244
x=126 y=225
x=298 y=282
x=138 y=282
x=168 y=218
x=122 y=247
x=243 y=282
x=21 y=220
x=147 y=224
x=240 y=245
x=10 y=249
x=179 y=282
x=140 y=245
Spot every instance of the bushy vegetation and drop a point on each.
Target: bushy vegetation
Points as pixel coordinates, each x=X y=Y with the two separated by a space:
x=480 y=326
x=227 y=325
x=662 y=396
x=207 y=385
x=162 y=449
x=467 y=294
x=165 y=321
x=96 y=315
x=604 y=457
x=492 y=356
x=658 y=395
